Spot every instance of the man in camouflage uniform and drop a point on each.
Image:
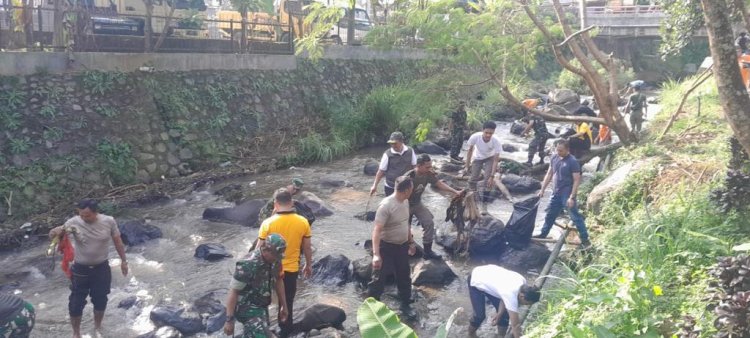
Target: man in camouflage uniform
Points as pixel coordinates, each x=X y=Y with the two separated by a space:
x=294 y=189
x=250 y=289
x=541 y=134
x=457 y=124
x=16 y=316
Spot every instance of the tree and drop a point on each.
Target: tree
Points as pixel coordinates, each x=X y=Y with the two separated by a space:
x=245 y=6
x=504 y=36
x=732 y=92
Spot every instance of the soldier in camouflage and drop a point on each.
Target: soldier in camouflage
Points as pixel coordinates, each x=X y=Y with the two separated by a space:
x=294 y=189
x=250 y=289
x=16 y=316
x=457 y=124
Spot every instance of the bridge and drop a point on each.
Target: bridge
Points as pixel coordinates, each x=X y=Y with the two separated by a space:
x=627 y=21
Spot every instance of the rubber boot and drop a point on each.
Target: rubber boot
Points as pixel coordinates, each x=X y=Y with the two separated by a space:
x=428 y=253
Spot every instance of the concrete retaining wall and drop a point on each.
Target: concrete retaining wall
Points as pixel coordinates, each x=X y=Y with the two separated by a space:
x=27 y=63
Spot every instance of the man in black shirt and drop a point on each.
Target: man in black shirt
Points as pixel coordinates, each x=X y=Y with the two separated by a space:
x=541 y=135
x=585 y=110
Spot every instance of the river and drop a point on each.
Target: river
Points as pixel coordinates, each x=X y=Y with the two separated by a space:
x=165 y=269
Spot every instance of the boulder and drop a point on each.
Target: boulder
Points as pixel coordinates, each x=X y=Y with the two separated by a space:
x=128 y=302
x=560 y=110
x=533 y=257
x=211 y=252
x=487 y=237
x=615 y=180
x=245 y=213
x=186 y=321
x=447 y=240
x=368 y=216
x=315 y=204
x=329 y=182
x=434 y=272
x=162 y=332
x=331 y=270
x=564 y=96
x=232 y=193
x=521 y=184
x=509 y=148
x=317 y=317
x=212 y=311
x=443 y=141
x=451 y=167
x=371 y=168
x=362 y=270
x=517 y=128
x=138 y=232
x=428 y=147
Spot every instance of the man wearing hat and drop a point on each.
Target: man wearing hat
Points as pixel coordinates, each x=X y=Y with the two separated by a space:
x=294 y=188
x=250 y=289
x=394 y=163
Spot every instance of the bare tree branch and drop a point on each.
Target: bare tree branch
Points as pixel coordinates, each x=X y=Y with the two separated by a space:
x=572 y=36
x=705 y=75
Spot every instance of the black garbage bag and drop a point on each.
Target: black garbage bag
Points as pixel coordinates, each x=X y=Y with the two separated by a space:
x=304 y=211
x=519 y=228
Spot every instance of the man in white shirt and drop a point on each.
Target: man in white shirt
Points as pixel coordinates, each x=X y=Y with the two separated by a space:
x=506 y=290
x=394 y=163
x=484 y=153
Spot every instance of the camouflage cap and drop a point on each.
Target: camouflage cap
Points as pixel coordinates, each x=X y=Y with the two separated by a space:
x=277 y=243
x=298 y=182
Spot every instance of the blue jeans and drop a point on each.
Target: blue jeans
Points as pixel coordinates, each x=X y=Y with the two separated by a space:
x=556 y=205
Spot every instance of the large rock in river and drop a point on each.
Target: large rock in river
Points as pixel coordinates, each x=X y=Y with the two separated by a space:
x=362 y=270
x=186 y=321
x=318 y=207
x=245 y=213
x=434 y=272
x=614 y=181
x=371 y=168
x=319 y=316
x=331 y=270
x=428 y=147
x=521 y=184
x=211 y=252
x=138 y=232
x=517 y=128
x=564 y=96
x=532 y=257
x=162 y=332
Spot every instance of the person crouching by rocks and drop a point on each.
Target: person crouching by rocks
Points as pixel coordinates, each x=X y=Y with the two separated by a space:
x=250 y=289
x=394 y=163
x=16 y=316
x=392 y=244
x=91 y=276
x=506 y=291
x=421 y=177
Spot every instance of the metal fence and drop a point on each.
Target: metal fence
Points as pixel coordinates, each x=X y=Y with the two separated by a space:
x=95 y=30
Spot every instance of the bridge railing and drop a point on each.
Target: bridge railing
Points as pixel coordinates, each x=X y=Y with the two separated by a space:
x=624 y=10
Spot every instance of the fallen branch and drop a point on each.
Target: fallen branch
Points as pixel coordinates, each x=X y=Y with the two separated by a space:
x=698 y=81
x=119 y=190
x=9 y=201
x=590 y=155
x=562 y=44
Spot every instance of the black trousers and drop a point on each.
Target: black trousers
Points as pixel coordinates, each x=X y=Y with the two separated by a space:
x=89 y=280
x=479 y=303
x=290 y=290
x=395 y=258
x=578 y=147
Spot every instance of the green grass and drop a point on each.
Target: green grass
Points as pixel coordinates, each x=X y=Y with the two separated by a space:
x=657 y=236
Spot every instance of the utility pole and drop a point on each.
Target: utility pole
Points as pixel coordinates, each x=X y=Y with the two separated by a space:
x=582 y=12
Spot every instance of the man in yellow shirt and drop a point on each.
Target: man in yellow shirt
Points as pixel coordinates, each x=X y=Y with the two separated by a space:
x=580 y=142
x=296 y=231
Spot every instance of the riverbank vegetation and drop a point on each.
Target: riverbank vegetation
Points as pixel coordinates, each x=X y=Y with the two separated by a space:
x=656 y=237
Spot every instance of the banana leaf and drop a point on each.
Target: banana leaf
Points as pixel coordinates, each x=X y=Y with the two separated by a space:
x=376 y=320
x=443 y=330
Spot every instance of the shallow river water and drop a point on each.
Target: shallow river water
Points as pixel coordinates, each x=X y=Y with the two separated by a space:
x=165 y=269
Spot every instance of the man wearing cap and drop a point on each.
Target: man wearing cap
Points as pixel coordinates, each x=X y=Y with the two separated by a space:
x=421 y=177
x=250 y=289
x=392 y=244
x=296 y=231
x=638 y=109
x=294 y=188
x=394 y=163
